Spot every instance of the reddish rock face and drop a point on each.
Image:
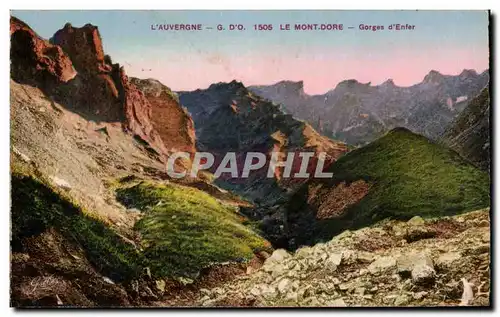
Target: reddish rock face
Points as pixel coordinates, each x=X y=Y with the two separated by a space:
x=36 y=61
x=173 y=123
x=138 y=113
x=84 y=45
x=100 y=91
x=97 y=92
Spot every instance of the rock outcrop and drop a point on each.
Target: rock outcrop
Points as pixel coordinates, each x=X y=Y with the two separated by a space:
x=34 y=60
x=103 y=89
x=72 y=69
x=172 y=122
x=84 y=46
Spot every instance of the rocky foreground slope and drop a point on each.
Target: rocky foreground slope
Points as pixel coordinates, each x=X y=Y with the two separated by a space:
x=433 y=262
x=92 y=214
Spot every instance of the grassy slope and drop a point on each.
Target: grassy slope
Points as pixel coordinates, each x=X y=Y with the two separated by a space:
x=411 y=176
x=185 y=229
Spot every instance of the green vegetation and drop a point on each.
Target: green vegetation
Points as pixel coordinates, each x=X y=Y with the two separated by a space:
x=185 y=229
x=410 y=175
x=414 y=176
x=37 y=207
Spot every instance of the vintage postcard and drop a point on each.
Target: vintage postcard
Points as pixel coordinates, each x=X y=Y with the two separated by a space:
x=312 y=158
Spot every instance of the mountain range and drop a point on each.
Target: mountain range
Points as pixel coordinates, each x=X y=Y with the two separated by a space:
x=357 y=113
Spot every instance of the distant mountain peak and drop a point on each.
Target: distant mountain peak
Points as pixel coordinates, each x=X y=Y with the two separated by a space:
x=485 y=72
x=295 y=87
x=234 y=85
x=234 y=82
x=291 y=83
x=433 y=77
x=350 y=83
x=468 y=73
x=389 y=83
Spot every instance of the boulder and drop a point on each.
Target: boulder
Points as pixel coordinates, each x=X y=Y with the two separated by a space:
x=423 y=274
x=416 y=221
x=35 y=60
x=278 y=256
x=402 y=300
x=339 y=302
x=382 y=264
x=304 y=252
x=407 y=262
x=160 y=285
x=61 y=183
x=447 y=260
x=333 y=261
x=284 y=285
x=418 y=232
x=365 y=257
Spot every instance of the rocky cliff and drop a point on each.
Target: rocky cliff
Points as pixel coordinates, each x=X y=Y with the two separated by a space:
x=36 y=61
x=88 y=183
x=72 y=69
x=469 y=133
x=170 y=119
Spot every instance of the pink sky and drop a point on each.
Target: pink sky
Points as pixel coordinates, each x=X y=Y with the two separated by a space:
x=319 y=71
x=446 y=41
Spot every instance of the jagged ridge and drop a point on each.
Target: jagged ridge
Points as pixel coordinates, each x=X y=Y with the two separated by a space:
x=358 y=113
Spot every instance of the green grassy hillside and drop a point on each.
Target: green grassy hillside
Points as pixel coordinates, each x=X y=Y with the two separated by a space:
x=408 y=175
x=185 y=229
x=182 y=230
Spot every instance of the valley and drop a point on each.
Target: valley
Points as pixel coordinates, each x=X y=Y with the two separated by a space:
x=364 y=196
